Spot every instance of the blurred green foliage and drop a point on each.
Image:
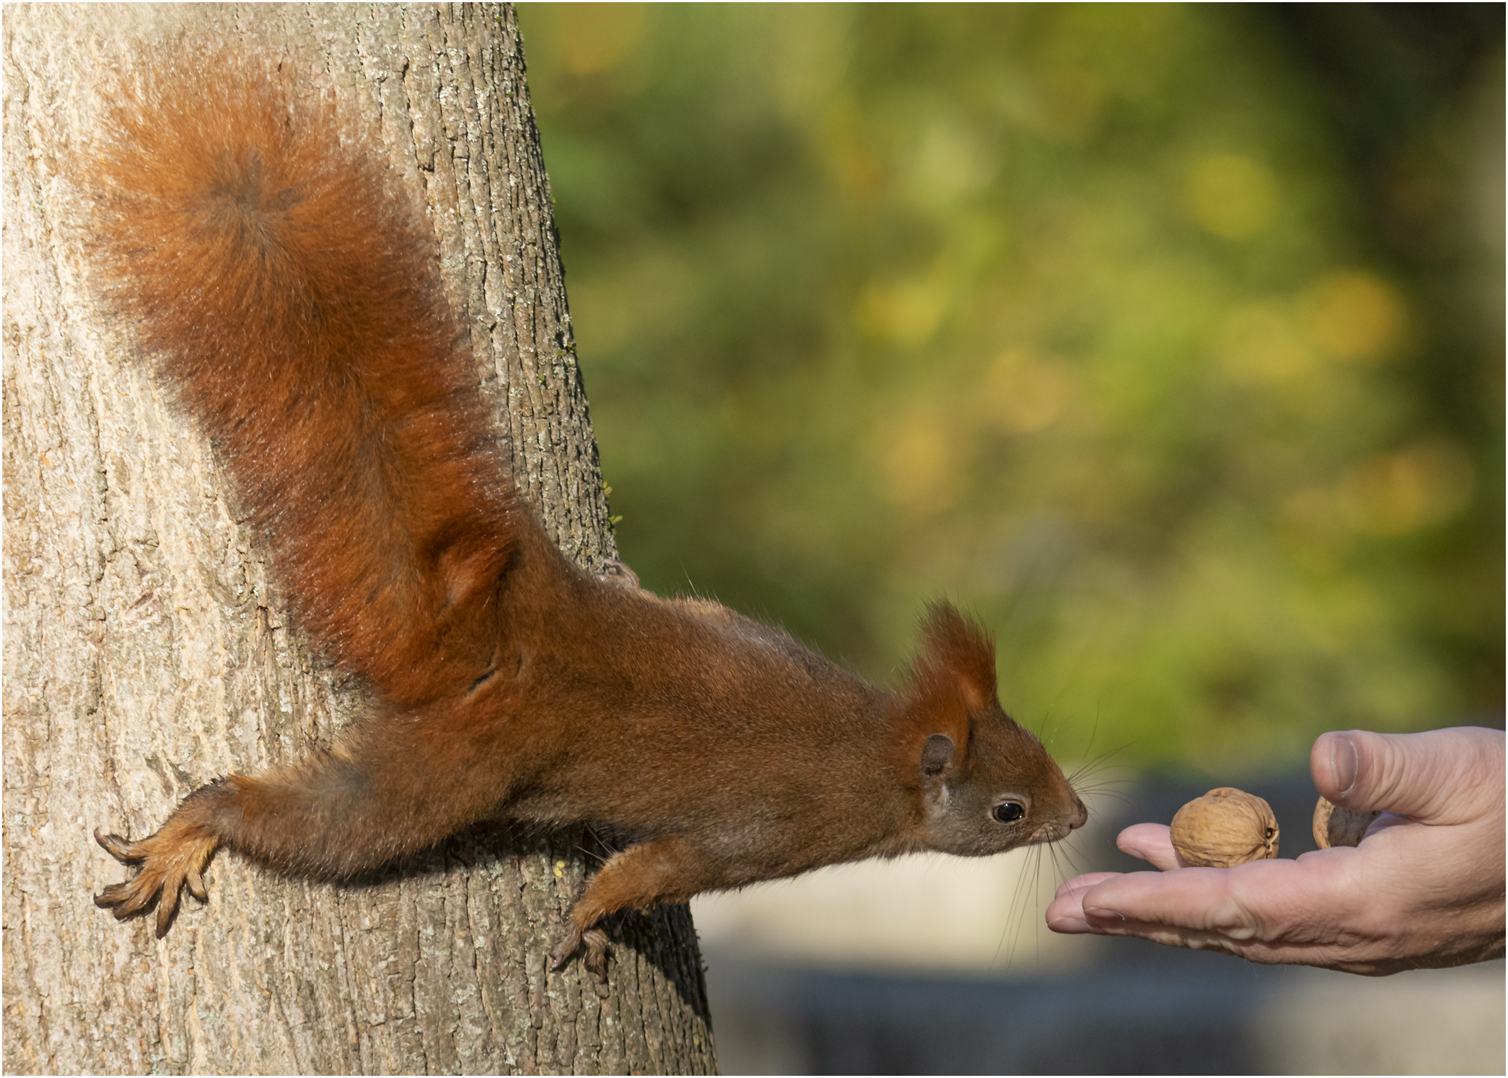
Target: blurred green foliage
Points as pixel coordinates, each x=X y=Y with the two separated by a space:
x=1168 y=340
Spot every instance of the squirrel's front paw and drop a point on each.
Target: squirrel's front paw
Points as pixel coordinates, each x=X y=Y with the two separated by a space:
x=170 y=860
x=595 y=959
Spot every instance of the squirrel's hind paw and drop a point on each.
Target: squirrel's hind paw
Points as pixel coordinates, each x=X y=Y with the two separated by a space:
x=169 y=862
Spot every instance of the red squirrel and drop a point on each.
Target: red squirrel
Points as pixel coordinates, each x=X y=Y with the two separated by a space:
x=291 y=302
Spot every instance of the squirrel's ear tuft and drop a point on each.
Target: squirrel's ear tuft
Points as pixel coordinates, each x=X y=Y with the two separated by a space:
x=959 y=650
x=954 y=674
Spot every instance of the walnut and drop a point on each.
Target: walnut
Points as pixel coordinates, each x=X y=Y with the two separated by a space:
x=1225 y=827
x=1335 y=826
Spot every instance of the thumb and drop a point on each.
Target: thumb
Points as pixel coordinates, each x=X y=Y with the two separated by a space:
x=1435 y=776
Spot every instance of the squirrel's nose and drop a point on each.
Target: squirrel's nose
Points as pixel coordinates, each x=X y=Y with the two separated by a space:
x=1080 y=814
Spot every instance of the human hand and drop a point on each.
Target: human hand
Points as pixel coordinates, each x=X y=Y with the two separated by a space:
x=1424 y=888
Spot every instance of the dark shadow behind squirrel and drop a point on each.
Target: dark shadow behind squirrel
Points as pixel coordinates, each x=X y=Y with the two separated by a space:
x=290 y=300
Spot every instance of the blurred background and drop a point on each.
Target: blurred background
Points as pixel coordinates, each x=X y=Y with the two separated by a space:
x=1169 y=340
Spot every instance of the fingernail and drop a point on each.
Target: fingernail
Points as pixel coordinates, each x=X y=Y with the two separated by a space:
x=1343 y=762
x=1103 y=914
x=1069 y=926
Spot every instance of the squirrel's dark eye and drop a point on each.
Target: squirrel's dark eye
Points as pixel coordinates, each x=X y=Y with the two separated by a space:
x=1008 y=811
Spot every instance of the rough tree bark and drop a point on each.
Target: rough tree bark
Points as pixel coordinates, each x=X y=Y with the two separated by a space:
x=144 y=658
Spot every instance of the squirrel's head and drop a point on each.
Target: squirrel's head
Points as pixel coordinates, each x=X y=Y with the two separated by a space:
x=981 y=783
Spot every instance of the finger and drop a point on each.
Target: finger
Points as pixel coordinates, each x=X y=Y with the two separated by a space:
x=1441 y=776
x=1152 y=842
x=1080 y=884
x=1065 y=912
x=1173 y=936
x=1174 y=908
x=1277 y=900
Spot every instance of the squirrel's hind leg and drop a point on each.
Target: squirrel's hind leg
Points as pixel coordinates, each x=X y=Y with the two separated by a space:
x=333 y=815
x=172 y=859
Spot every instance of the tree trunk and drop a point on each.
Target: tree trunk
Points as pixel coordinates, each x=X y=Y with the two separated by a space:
x=143 y=657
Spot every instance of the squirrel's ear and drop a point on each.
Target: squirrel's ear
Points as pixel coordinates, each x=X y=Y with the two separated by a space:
x=954 y=674
x=937 y=754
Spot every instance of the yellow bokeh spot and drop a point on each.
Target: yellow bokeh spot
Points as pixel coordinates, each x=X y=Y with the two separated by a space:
x=1230 y=196
x=949 y=161
x=1021 y=395
x=917 y=454
x=1421 y=485
x=905 y=313
x=594 y=38
x=1424 y=484
x=1356 y=316
x=1260 y=345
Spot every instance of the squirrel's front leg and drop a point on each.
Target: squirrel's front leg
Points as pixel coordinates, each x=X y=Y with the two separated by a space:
x=649 y=874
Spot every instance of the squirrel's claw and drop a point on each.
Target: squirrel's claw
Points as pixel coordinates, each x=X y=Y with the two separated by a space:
x=123 y=850
x=566 y=949
x=126 y=899
x=194 y=881
x=167 y=906
x=595 y=959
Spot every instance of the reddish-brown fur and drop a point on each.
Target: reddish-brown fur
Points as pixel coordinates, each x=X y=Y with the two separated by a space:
x=293 y=303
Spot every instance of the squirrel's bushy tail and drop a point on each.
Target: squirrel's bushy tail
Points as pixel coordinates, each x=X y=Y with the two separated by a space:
x=291 y=300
